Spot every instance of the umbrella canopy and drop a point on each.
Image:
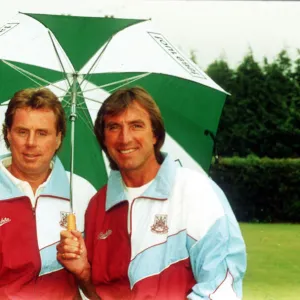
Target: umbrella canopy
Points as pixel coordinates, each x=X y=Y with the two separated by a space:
x=84 y=59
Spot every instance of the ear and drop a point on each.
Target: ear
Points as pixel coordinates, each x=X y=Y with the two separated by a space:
x=8 y=135
x=154 y=139
x=58 y=140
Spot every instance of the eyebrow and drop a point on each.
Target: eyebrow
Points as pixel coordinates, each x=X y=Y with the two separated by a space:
x=137 y=121
x=26 y=128
x=130 y=122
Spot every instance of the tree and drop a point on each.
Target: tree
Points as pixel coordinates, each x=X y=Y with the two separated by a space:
x=283 y=103
x=262 y=114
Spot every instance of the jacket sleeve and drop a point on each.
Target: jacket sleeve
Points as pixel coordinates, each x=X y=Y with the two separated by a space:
x=216 y=248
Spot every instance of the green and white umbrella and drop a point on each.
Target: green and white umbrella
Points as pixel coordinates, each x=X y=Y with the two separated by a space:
x=85 y=59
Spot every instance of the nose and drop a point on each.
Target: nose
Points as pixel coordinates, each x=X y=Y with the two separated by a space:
x=31 y=139
x=125 y=135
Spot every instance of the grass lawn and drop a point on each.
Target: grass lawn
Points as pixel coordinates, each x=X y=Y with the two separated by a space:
x=273 y=252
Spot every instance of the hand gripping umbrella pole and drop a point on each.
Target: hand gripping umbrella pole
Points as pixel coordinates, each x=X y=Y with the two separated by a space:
x=71 y=220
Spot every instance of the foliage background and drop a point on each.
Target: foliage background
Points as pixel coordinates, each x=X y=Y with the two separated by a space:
x=258 y=140
x=262 y=115
x=261 y=189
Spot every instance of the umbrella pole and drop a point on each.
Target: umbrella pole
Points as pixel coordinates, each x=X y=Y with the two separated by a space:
x=71 y=221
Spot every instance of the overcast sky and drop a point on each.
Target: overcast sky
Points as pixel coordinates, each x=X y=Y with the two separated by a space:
x=213 y=29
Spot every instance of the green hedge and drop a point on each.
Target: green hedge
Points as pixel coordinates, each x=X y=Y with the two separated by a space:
x=260 y=189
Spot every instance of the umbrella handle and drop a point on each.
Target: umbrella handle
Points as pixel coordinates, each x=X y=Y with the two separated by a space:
x=71 y=222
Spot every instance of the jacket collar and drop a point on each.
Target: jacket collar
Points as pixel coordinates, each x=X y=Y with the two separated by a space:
x=57 y=186
x=159 y=189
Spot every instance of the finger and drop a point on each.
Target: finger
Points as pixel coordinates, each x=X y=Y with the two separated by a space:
x=70 y=237
x=68 y=244
x=65 y=234
x=77 y=234
x=67 y=256
x=71 y=249
x=71 y=242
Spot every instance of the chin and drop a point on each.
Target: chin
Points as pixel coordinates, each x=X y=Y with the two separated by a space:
x=127 y=167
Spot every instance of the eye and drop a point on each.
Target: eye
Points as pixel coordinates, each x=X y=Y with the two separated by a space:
x=21 y=132
x=137 y=126
x=42 y=133
x=112 y=127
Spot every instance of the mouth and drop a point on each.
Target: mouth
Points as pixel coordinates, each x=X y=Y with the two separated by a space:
x=30 y=156
x=127 y=151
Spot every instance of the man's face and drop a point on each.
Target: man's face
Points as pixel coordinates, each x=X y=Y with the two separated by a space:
x=33 y=141
x=129 y=139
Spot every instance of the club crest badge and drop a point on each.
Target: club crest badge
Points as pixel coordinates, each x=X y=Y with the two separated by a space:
x=160 y=224
x=63 y=219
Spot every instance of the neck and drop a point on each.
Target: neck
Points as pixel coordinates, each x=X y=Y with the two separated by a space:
x=34 y=180
x=137 y=178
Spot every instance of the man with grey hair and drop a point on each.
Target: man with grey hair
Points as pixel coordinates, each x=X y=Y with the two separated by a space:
x=34 y=199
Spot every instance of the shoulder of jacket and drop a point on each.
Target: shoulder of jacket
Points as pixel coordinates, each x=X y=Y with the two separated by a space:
x=189 y=175
x=197 y=183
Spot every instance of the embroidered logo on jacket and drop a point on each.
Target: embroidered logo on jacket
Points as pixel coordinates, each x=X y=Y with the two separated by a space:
x=160 y=224
x=4 y=221
x=63 y=219
x=104 y=235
